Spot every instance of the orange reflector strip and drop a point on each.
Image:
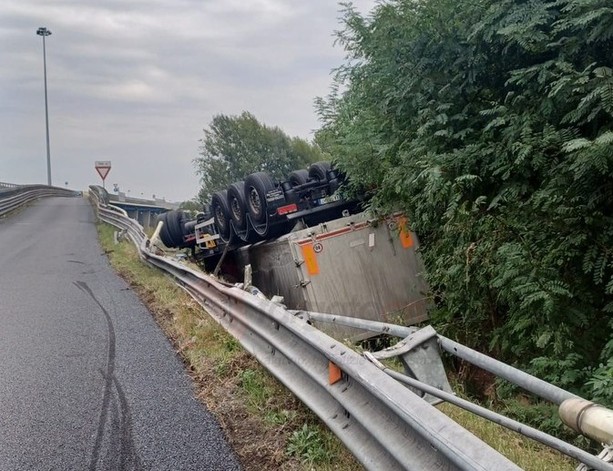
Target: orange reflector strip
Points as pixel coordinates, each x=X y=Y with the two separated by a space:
x=310 y=259
x=405 y=235
x=289 y=208
x=334 y=373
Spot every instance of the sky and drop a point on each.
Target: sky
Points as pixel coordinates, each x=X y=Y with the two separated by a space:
x=135 y=82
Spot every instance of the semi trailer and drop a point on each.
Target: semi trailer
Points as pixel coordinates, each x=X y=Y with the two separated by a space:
x=307 y=243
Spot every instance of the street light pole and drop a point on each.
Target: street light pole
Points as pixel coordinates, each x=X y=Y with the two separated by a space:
x=44 y=32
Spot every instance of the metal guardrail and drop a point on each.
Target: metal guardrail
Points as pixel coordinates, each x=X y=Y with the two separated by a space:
x=383 y=423
x=156 y=203
x=536 y=386
x=14 y=196
x=4 y=185
x=119 y=218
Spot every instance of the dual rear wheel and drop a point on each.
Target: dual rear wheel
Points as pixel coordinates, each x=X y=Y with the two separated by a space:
x=230 y=207
x=173 y=230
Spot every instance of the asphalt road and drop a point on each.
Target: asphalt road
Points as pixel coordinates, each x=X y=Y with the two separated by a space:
x=87 y=379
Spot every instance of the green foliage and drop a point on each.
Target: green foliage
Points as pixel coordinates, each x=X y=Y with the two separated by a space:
x=256 y=388
x=540 y=415
x=280 y=417
x=191 y=206
x=601 y=383
x=490 y=123
x=235 y=146
x=308 y=445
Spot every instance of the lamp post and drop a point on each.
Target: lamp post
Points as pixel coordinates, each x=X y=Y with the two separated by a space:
x=44 y=32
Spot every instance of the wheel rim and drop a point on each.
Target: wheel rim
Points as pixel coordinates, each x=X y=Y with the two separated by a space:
x=221 y=218
x=255 y=203
x=237 y=212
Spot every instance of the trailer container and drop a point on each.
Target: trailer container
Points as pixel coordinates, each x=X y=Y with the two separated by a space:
x=357 y=266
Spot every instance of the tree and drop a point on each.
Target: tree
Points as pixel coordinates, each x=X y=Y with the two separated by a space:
x=490 y=123
x=192 y=206
x=236 y=146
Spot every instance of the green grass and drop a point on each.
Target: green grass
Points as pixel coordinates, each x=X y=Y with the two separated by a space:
x=256 y=389
x=526 y=453
x=308 y=444
x=268 y=427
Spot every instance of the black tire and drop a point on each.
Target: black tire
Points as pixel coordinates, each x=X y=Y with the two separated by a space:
x=164 y=232
x=175 y=227
x=319 y=171
x=256 y=187
x=238 y=205
x=172 y=230
x=298 y=177
x=221 y=213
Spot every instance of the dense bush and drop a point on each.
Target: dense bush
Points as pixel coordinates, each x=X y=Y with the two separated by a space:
x=490 y=123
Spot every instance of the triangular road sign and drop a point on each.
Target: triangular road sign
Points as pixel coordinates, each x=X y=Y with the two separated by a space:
x=103 y=171
x=103 y=167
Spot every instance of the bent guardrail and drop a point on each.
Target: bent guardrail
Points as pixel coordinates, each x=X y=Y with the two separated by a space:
x=14 y=196
x=382 y=422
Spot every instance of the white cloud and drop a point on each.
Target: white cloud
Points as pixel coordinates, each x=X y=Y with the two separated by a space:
x=135 y=82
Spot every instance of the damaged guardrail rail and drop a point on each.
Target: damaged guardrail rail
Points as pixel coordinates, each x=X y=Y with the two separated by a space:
x=585 y=417
x=14 y=196
x=385 y=418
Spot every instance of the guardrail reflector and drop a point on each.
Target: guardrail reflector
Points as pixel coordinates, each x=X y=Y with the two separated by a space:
x=334 y=373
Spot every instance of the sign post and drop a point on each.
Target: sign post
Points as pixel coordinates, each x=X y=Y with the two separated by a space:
x=103 y=167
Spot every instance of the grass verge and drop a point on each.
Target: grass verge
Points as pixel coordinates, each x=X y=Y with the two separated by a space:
x=526 y=453
x=266 y=425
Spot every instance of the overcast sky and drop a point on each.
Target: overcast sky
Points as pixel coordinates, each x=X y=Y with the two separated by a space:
x=136 y=81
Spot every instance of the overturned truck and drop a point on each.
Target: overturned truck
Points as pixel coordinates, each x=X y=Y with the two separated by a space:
x=307 y=243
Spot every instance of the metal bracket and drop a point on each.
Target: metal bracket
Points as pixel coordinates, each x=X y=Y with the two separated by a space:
x=408 y=343
x=420 y=356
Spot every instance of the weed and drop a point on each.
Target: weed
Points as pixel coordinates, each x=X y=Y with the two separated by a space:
x=308 y=445
x=280 y=417
x=257 y=391
x=228 y=342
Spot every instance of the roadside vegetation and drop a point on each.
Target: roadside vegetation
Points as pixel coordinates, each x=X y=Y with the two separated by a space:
x=527 y=454
x=267 y=426
x=490 y=124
